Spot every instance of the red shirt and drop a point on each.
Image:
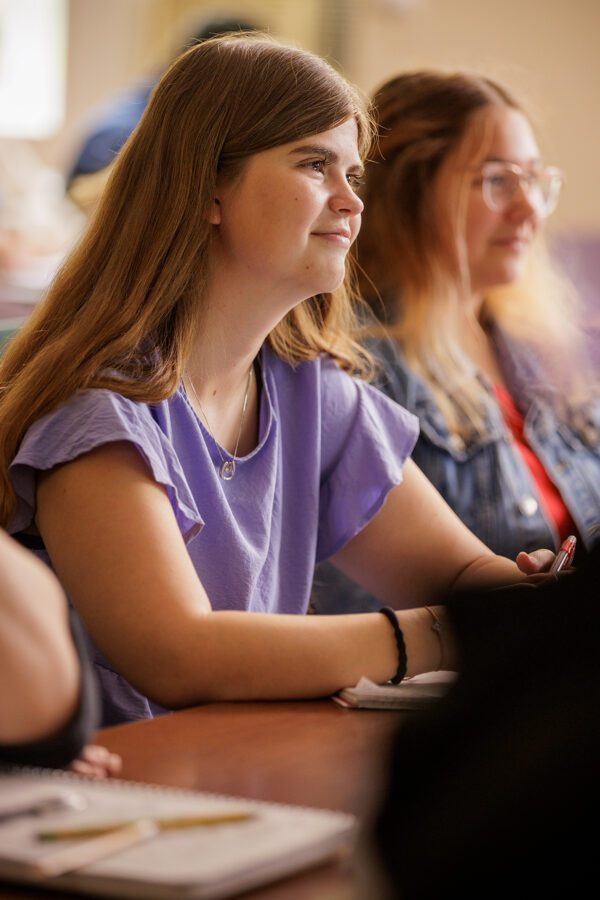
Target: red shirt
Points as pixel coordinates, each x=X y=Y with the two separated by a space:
x=551 y=500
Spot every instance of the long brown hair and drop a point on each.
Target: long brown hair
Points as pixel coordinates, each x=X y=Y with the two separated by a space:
x=120 y=312
x=405 y=271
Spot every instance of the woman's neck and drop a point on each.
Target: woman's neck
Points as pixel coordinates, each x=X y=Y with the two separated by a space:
x=237 y=316
x=228 y=408
x=476 y=343
x=217 y=372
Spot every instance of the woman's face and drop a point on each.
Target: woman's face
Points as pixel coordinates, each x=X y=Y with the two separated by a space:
x=287 y=222
x=496 y=240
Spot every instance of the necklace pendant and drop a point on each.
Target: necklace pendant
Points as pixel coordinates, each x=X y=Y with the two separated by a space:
x=227 y=470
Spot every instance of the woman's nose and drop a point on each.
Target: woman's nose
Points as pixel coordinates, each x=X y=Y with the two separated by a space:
x=346 y=200
x=525 y=203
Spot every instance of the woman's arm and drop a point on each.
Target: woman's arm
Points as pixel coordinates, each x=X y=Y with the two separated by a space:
x=416 y=550
x=115 y=545
x=48 y=694
x=39 y=669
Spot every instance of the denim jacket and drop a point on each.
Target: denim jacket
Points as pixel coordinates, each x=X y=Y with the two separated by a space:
x=486 y=481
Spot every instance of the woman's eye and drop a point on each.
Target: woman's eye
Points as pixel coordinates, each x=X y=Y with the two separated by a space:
x=317 y=165
x=355 y=181
x=499 y=182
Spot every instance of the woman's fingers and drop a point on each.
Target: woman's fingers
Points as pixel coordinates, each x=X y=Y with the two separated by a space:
x=537 y=562
x=96 y=762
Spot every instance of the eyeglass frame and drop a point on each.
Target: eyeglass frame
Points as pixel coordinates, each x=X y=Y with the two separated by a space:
x=526 y=180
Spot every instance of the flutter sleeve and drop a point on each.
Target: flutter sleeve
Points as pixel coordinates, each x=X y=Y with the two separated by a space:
x=88 y=420
x=366 y=439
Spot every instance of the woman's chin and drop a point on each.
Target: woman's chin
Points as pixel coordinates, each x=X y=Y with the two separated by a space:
x=501 y=277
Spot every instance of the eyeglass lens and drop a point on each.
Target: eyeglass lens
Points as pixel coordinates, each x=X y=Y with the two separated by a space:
x=501 y=186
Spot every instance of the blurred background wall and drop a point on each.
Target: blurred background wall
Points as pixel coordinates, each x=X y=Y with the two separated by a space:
x=545 y=50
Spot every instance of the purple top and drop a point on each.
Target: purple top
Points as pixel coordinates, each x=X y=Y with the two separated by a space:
x=330 y=448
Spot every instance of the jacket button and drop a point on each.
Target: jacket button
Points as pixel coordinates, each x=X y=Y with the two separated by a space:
x=528 y=506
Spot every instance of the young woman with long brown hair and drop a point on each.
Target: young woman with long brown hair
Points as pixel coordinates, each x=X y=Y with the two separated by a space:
x=182 y=429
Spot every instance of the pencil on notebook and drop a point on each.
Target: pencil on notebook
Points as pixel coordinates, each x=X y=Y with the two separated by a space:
x=162 y=824
x=83 y=854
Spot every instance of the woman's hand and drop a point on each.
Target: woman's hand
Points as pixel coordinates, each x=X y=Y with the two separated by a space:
x=95 y=761
x=537 y=563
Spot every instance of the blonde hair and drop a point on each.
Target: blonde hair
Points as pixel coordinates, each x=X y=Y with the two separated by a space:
x=121 y=311
x=405 y=271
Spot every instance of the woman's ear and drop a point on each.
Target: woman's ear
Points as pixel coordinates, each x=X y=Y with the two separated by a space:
x=214 y=216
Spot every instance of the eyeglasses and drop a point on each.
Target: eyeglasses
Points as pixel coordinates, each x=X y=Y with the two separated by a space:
x=501 y=181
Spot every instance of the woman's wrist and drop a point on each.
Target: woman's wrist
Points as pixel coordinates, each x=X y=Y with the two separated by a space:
x=392 y=618
x=428 y=639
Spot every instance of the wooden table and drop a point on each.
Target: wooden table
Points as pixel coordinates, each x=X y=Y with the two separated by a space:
x=311 y=753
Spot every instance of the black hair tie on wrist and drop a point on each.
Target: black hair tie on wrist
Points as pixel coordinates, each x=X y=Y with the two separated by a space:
x=393 y=619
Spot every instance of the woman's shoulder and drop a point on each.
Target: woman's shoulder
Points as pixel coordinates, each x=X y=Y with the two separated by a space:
x=333 y=400
x=96 y=417
x=307 y=384
x=89 y=416
x=321 y=380
x=395 y=378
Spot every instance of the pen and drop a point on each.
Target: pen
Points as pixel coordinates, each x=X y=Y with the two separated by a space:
x=76 y=856
x=565 y=555
x=89 y=831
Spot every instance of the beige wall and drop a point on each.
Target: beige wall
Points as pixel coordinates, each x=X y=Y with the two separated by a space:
x=112 y=43
x=546 y=50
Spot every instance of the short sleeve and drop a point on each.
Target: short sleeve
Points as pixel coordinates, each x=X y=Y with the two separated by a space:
x=366 y=440
x=88 y=420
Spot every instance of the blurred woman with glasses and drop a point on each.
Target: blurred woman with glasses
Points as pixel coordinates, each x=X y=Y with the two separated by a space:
x=483 y=339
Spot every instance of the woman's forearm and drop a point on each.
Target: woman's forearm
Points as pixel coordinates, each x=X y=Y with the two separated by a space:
x=245 y=656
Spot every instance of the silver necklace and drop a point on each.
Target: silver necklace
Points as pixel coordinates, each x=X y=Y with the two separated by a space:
x=228 y=466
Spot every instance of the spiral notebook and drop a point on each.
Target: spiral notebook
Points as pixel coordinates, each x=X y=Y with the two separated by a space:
x=411 y=693
x=261 y=842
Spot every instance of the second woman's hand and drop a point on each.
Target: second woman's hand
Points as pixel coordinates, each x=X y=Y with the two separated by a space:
x=536 y=563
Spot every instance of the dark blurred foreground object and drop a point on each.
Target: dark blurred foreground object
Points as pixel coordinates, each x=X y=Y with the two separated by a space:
x=494 y=794
x=117 y=119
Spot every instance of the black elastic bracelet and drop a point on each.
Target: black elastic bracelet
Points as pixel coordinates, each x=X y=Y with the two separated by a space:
x=393 y=619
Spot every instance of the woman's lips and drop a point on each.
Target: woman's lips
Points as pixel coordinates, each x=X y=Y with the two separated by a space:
x=514 y=244
x=341 y=237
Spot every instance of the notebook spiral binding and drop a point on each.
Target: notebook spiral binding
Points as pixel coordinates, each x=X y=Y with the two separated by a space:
x=141 y=787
